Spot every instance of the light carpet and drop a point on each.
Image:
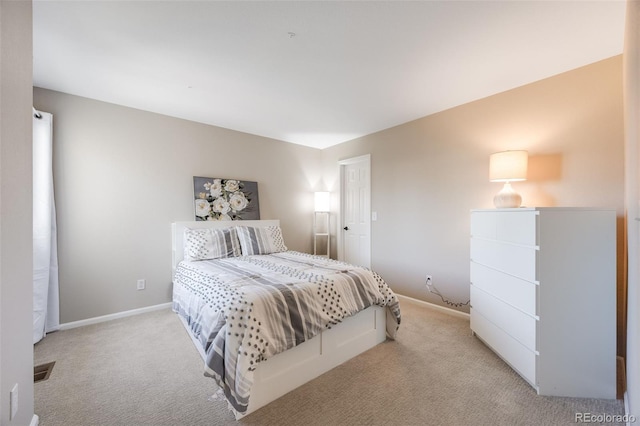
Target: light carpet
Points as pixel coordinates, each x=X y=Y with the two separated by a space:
x=144 y=370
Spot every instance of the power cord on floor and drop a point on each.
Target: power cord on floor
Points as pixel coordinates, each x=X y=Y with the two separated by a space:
x=432 y=289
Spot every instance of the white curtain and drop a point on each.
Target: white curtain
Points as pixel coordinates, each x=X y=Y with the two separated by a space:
x=46 y=311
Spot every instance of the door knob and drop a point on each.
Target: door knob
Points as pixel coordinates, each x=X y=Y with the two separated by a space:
x=346 y=228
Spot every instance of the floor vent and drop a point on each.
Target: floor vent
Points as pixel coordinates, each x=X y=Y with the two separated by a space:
x=42 y=372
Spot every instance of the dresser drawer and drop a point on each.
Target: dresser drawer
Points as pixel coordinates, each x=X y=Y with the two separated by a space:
x=518 y=227
x=484 y=225
x=515 y=291
x=513 y=352
x=516 y=260
x=515 y=323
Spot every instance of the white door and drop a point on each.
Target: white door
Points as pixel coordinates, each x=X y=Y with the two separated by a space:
x=356 y=211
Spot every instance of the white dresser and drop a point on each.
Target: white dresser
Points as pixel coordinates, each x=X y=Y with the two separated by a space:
x=543 y=295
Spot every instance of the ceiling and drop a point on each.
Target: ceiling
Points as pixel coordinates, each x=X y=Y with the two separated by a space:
x=315 y=73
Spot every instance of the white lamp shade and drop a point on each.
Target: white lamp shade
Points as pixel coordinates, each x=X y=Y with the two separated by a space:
x=322 y=201
x=508 y=166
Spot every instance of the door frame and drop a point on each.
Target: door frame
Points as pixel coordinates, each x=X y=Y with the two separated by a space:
x=366 y=158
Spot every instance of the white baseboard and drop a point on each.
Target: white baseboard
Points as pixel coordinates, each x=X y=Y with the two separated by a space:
x=429 y=305
x=104 y=318
x=35 y=420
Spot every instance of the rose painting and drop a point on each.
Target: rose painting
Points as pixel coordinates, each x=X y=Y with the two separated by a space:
x=225 y=199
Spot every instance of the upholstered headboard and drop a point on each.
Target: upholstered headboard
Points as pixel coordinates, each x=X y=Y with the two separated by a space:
x=177 y=233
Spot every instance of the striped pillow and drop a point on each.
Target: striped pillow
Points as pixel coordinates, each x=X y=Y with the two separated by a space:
x=202 y=243
x=264 y=240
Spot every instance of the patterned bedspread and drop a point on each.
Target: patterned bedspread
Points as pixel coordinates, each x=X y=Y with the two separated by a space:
x=243 y=310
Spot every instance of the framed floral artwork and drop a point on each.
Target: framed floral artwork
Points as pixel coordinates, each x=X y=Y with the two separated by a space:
x=225 y=199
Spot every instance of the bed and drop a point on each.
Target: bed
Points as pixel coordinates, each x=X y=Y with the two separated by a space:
x=266 y=319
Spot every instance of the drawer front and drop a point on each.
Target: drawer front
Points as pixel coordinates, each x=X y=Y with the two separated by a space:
x=516 y=260
x=515 y=354
x=514 y=291
x=484 y=224
x=513 y=322
x=517 y=227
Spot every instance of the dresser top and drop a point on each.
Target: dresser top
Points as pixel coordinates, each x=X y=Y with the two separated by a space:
x=529 y=209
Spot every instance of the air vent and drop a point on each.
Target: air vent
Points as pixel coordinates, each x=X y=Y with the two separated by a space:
x=42 y=372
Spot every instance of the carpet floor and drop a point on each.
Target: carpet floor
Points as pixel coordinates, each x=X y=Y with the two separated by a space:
x=144 y=370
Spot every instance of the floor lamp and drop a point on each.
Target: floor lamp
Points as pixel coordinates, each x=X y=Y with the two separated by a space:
x=321 y=236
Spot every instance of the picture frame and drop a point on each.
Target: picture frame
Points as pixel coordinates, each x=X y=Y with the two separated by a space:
x=225 y=199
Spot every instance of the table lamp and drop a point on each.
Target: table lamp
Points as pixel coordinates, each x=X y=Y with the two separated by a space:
x=507 y=167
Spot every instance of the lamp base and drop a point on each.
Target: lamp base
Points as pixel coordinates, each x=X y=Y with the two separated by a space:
x=507 y=198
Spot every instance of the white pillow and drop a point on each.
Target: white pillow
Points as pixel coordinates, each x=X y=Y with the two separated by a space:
x=264 y=240
x=203 y=243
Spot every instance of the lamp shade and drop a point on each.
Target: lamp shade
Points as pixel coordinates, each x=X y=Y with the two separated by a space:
x=322 y=201
x=508 y=166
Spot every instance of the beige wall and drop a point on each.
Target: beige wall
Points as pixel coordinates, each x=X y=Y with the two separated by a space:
x=123 y=175
x=428 y=174
x=16 y=223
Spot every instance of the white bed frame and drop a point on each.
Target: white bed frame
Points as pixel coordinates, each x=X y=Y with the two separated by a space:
x=293 y=368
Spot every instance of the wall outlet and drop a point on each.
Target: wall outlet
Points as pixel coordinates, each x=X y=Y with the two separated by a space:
x=142 y=284
x=13 y=405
